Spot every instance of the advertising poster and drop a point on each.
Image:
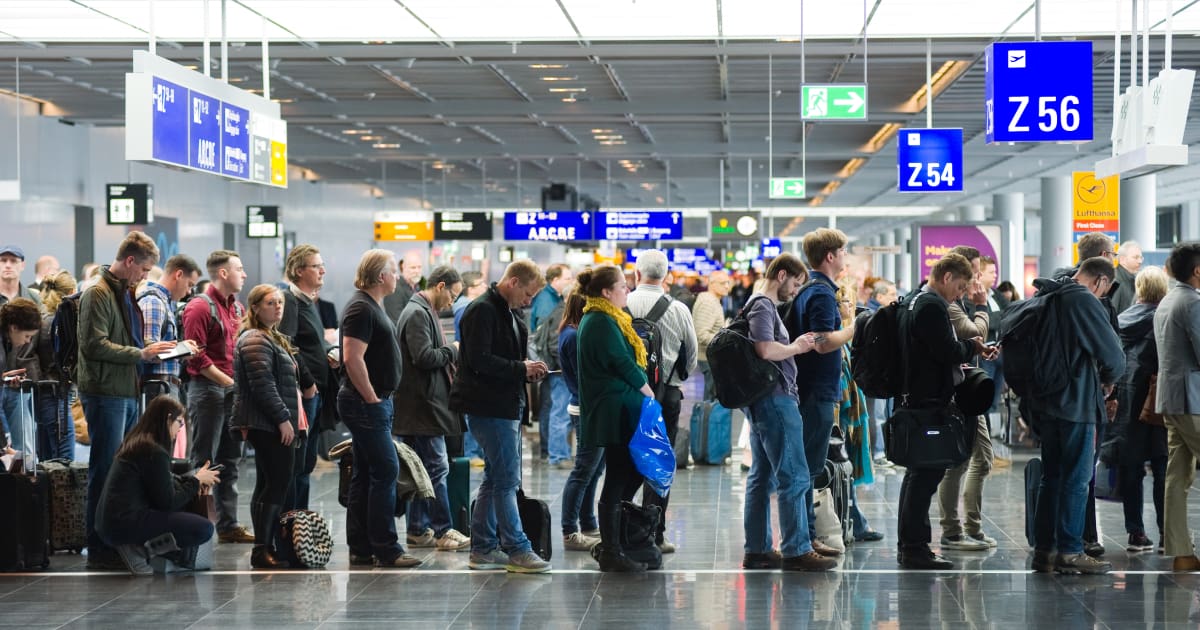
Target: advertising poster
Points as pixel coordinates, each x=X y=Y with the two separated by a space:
x=936 y=240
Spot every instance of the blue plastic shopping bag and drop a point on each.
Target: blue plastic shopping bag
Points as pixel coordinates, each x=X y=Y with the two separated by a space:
x=651 y=449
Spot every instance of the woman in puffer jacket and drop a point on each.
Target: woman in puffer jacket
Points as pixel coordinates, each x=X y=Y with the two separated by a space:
x=267 y=413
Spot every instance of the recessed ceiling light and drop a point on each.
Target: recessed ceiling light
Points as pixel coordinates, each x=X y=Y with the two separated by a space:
x=545 y=66
x=391 y=145
x=560 y=78
x=568 y=99
x=356 y=132
x=569 y=89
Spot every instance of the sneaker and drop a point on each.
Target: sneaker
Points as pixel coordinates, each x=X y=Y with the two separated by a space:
x=1093 y=549
x=869 y=536
x=963 y=543
x=490 y=561
x=453 y=540
x=402 y=561
x=811 y=561
x=1081 y=563
x=770 y=560
x=1139 y=542
x=591 y=533
x=1043 y=561
x=135 y=559
x=357 y=560
x=424 y=539
x=576 y=541
x=666 y=546
x=983 y=538
x=527 y=562
x=237 y=534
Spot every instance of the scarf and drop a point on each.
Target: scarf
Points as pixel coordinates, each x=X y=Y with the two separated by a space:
x=624 y=322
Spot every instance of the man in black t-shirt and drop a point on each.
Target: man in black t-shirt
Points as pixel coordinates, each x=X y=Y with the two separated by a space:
x=372 y=372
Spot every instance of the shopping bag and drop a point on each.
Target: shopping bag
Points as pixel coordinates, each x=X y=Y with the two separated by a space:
x=651 y=449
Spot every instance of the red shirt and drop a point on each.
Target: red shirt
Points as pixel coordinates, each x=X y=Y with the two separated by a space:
x=218 y=338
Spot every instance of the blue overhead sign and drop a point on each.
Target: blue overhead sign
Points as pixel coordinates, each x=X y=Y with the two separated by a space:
x=770 y=248
x=547 y=226
x=639 y=226
x=170 y=122
x=930 y=160
x=1039 y=91
x=205 y=132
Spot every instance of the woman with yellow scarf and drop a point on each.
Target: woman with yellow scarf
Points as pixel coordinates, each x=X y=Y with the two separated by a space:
x=612 y=386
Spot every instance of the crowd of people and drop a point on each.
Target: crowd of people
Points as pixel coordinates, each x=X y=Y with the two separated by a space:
x=165 y=359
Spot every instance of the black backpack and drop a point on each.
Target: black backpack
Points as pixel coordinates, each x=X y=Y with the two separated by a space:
x=1035 y=356
x=740 y=376
x=876 y=363
x=64 y=332
x=651 y=334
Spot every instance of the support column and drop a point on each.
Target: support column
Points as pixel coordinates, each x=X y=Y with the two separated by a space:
x=889 y=260
x=1010 y=207
x=949 y=215
x=975 y=212
x=1139 y=210
x=904 y=261
x=1056 y=224
x=1189 y=222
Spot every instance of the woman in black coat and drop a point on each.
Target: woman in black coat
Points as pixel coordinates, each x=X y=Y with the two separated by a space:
x=142 y=499
x=267 y=412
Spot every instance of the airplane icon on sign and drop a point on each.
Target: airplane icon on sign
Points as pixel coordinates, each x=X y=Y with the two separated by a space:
x=1016 y=59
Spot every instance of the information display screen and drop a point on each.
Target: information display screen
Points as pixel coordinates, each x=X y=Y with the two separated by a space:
x=262 y=221
x=462 y=226
x=130 y=204
x=547 y=226
x=638 y=226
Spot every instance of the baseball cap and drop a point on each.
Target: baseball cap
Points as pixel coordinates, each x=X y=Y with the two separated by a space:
x=12 y=250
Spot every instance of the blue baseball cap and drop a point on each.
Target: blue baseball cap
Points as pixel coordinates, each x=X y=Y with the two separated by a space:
x=12 y=250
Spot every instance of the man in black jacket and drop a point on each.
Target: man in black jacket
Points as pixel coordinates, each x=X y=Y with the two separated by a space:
x=489 y=387
x=933 y=373
x=422 y=415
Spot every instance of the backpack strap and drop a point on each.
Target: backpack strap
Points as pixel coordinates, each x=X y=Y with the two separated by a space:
x=659 y=309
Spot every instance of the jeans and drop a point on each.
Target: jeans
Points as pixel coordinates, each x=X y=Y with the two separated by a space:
x=1068 y=449
x=431 y=513
x=109 y=418
x=710 y=385
x=209 y=409
x=560 y=420
x=995 y=370
x=1130 y=479
x=306 y=457
x=10 y=408
x=975 y=469
x=877 y=410
x=579 y=495
x=818 y=427
x=371 y=515
x=471 y=447
x=189 y=530
x=55 y=425
x=916 y=493
x=496 y=521
x=780 y=461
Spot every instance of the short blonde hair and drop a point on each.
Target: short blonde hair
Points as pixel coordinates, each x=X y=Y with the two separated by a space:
x=1151 y=285
x=820 y=243
x=525 y=271
x=370 y=266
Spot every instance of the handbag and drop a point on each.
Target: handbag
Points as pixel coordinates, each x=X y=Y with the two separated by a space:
x=1148 y=414
x=826 y=526
x=1107 y=482
x=929 y=438
x=304 y=539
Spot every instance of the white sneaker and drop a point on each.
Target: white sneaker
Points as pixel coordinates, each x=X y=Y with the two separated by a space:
x=424 y=539
x=983 y=538
x=453 y=540
x=963 y=543
x=578 y=542
x=528 y=562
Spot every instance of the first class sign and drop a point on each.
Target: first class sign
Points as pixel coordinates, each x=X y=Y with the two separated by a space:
x=182 y=118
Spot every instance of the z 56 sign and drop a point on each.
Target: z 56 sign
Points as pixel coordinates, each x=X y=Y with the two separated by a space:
x=1039 y=92
x=930 y=160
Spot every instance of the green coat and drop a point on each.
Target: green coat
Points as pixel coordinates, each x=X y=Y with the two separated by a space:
x=108 y=355
x=609 y=383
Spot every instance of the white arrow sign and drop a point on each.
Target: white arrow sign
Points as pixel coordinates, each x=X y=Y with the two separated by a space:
x=854 y=102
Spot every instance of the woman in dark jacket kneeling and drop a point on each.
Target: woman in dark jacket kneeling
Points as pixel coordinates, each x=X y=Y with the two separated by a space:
x=143 y=500
x=267 y=412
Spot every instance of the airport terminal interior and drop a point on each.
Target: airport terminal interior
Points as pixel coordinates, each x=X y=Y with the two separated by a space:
x=474 y=133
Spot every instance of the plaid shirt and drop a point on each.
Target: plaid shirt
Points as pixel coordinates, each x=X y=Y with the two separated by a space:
x=159 y=324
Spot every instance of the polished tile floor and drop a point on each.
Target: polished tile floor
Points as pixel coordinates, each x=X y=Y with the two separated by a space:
x=701 y=586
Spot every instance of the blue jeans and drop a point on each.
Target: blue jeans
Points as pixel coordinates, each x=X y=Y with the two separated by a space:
x=471 y=447
x=55 y=426
x=579 y=496
x=306 y=456
x=11 y=409
x=818 y=426
x=109 y=418
x=560 y=420
x=431 y=513
x=779 y=464
x=496 y=521
x=371 y=515
x=1068 y=451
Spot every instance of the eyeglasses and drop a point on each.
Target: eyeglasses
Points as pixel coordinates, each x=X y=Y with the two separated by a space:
x=1109 y=254
x=316 y=266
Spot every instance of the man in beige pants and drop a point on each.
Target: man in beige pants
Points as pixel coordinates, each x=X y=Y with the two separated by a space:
x=1177 y=333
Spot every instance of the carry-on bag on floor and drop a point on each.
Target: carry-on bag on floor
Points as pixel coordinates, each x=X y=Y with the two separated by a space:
x=458 y=487
x=1033 y=488
x=25 y=495
x=535 y=520
x=68 y=500
x=304 y=539
x=683 y=438
x=711 y=431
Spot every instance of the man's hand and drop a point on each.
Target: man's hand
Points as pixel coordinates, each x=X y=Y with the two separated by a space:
x=805 y=343
x=987 y=352
x=1108 y=389
x=309 y=392
x=535 y=370
x=978 y=293
x=151 y=352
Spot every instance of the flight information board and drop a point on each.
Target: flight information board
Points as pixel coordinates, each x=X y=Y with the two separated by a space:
x=547 y=226
x=639 y=226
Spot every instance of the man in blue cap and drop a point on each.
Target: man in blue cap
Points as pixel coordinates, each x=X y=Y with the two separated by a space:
x=12 y=263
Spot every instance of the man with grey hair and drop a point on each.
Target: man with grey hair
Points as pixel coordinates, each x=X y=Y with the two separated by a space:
x=408 y=283
x=679 y=355
x=1129 y=262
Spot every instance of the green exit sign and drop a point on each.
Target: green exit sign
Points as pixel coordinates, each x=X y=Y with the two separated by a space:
x=833 y=102
x=787 y=188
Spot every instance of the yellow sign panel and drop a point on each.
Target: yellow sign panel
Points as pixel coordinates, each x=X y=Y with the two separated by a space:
x=404 y=231
x=278 y=163
x=1095 y=207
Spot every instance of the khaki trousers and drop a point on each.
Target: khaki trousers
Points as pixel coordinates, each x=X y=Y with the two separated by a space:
x=1183 y=447
x=975 y=470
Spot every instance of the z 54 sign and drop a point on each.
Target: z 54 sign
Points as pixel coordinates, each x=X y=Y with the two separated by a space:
x=930 y=160
x=1039 y=92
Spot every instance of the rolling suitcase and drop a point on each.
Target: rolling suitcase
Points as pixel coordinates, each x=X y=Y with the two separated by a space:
x=68 y=499
x=25 y=495
x=711 y=431
x=458 y=487
x=1033 y=488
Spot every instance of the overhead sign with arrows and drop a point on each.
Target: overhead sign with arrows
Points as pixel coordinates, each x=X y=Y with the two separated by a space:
x=547 y=226
x=787 y=188
x=833 y=102
x=639 y=226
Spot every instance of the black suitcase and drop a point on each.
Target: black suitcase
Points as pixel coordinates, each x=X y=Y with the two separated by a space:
x=1033 y=488
x=25 y=495
x=535 y=520
x=458 y=486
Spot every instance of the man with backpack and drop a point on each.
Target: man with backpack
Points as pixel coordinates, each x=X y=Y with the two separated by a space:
x=666 y=326
x=212 y=321
x=815 y=310
x=157 y=301
x=552 y=395
x=1066 y=417
x=110 y=353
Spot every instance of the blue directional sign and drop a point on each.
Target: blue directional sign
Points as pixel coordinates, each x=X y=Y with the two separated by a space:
x=547 y=226
x=1039 y=91
x=930 y=160
x=638 y=226
x=170 y=122
x=204 y=131
x=235 y=141
x=770 y=248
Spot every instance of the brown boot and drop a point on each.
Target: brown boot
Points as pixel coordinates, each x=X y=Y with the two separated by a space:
x=1186 y=564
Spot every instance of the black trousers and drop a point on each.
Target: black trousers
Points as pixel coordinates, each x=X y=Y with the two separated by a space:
x=273 y=464
x=672 y=403
x=916 y=493
x=621 y=477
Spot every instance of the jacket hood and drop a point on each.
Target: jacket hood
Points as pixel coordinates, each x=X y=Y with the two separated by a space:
x=1136 y=322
